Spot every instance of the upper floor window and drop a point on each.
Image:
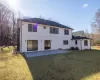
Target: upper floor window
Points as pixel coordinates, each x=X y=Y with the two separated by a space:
x=54 y=30
x=85 y=43
x=76 y=42
x=32 y=28
x=65 y=42
x=66 y=32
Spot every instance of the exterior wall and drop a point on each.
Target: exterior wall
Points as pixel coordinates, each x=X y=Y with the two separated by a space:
x=80 y=44
x=86 y=47
x=76 y=45
x=44 y=34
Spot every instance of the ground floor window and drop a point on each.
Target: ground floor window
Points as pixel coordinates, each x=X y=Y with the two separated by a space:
x=85 y=42
x=47 y=44
x=32 y=45
x=65 y=42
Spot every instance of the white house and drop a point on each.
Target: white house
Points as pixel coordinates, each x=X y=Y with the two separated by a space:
x=39 y=34
x=80 y=40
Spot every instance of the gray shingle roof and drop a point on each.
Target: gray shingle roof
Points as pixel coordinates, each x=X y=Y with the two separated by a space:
x=45 y=22
x=78 y=37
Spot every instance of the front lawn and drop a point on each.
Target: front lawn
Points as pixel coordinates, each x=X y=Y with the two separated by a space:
x=76 y=65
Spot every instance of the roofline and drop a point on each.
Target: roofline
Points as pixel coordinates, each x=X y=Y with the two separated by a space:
x=81 y=38
x=44 y=24
x=78 y=39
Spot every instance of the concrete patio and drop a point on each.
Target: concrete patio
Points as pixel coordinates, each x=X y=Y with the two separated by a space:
x=42 y=53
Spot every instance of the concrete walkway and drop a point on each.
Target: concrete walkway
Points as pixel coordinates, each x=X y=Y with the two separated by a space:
x=42 y=53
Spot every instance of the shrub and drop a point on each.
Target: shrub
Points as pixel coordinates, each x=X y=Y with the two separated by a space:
x=6 y=49
x=76 y=48
x=59 y=48
x=72 y=48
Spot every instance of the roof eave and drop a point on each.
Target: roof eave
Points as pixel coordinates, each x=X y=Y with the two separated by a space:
x=80 y=38
x=44 y=24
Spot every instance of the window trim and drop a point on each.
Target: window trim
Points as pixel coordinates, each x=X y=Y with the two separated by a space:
x=46 y=42
x=32 y=45
x=86 y=44
x=66 y=32
x=32 y=28
x=54 y=30
x=65 y=42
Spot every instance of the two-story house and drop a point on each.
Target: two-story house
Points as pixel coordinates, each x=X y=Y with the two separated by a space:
x=39 y=34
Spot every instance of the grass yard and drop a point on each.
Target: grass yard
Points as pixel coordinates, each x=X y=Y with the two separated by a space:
x=13 y=67
x=77 y=65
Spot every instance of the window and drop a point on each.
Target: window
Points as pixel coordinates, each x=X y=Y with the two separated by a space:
x=47 y=44
x=76 y=42
x=66 y=32
x=44 y=27
x=54 y=30
x=51 y=30
x=32 y=45
x=32 y=28
x=65 y=42
x=85 y=43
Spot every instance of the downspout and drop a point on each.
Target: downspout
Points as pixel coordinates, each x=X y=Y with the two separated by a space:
x=18 y=36
x=90 y=43
x=21 y=35
x=81 y=44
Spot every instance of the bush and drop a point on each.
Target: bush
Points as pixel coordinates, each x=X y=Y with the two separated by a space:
x=60 y=49
x=76 y=48
x=72 y=48
x=6 y=49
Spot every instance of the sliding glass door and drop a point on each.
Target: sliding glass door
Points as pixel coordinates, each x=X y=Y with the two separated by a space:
x=47 y=44
x=32 y=45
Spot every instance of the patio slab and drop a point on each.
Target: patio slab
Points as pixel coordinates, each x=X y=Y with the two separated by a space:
x=42 y=53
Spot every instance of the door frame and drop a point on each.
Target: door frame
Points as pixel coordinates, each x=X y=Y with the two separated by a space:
x=44 y=45
x=32 y=45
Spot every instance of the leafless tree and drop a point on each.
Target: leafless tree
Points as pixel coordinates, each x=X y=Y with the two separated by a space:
x=7 y=23
x=96 y=28
x=86 y=33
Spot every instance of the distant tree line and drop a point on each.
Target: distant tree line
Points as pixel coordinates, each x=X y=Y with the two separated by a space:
x=96 y=29
x=8 y=26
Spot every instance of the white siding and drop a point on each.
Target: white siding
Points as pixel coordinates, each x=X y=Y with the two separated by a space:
x=44 y=34
x=80 y=44
x=76 y=45
x=86 y=47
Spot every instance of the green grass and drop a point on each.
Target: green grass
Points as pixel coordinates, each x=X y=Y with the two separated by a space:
x=77 y=65
x=13 y=67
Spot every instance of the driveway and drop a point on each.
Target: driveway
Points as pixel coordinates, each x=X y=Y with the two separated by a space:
x=42 y=53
